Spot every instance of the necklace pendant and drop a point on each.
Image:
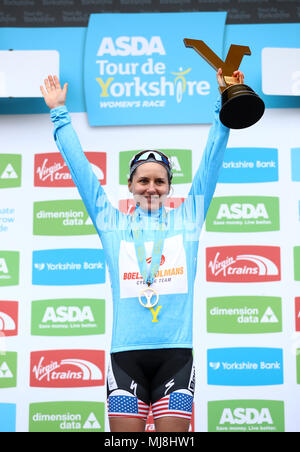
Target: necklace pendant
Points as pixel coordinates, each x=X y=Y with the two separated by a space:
x=148 y=294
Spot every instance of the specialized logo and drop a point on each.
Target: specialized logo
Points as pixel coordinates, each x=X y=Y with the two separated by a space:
x=7 y=218
x=295 y=160
x=50 y=170
x=245 y=366
x=8 y=370
x=297 y=313
x=7 y=417
x=68 y=267
x=67 y=317
x=181 y=161
x=9 y=318
x=127 y=206
x=67 y=368
x=67 y=417
x=243 y=214
x=10 y=170
x=249 y=165
x=9 y=268
x=297 y=263
x=243 y=264
x=140 y=76
x=244 y=315
x=246 y=416
x=60 y=218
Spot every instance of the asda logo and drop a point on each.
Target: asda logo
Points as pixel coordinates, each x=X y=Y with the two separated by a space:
x=244 y=315
x=243 y=214
x=8 y=370
x=181 y=160
x=67 y=417
x=68 y=317
x=246 y=416
x=60 y=218
x=10 y=170
x=9 y=268
x=245 y=366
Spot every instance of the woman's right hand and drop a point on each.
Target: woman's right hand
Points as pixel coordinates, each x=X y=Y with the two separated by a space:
x=54 y=95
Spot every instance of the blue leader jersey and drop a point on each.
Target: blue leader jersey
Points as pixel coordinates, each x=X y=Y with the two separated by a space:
x=170 y=323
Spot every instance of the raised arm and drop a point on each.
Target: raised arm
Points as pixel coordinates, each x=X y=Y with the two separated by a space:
x=91 y=192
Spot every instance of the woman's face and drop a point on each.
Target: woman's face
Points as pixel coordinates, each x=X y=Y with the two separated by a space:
x=150 y=186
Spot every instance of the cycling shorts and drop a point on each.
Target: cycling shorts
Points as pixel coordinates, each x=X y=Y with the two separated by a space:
x=164 y=378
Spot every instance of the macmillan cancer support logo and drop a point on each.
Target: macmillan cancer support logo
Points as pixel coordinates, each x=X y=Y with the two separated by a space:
x=244 y=315
x=68 y=267
x=67 y=368
x=61 y=218
x=10 y=170
x=67 y=317
x=243 y=264
x=50 y=170
x=181 y=161
x=245 y=366
x=255 y=416
x=243 y=214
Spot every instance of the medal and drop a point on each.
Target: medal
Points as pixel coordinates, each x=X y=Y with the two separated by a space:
x=148 y=294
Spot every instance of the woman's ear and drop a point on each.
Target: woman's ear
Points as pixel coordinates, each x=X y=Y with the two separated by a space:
x=130 y=185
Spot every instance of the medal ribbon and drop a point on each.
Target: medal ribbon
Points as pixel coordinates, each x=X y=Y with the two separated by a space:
x=156 y=251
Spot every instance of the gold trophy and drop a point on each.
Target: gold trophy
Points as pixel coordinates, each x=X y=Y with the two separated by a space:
x=241 y=106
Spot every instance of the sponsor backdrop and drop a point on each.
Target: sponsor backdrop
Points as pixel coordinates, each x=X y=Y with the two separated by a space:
x=55 y=299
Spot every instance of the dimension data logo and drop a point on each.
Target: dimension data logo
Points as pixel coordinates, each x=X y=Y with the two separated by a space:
x=245 y=366
x=243 y=264
x=9 y=318
x=71 y=317
x=7 y=418
x=10 y=170
x=249 y=165
x=67 y=417
x=8 y=370
x=60 y=218
x=139 y=71
x=243 y=214
x=50 y=170
x=181 y=161
x=9 y=268
x=68 y=267
x=246 y=416
x=67 y=368
x=244 y=315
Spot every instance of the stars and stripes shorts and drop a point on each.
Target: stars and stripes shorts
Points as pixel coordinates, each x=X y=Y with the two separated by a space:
x=163 y=379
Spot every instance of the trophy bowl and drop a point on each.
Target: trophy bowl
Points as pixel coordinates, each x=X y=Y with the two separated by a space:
x=241 y=107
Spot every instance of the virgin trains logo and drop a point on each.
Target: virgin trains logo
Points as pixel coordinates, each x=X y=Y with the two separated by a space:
x=67 y=368
x=243 y=264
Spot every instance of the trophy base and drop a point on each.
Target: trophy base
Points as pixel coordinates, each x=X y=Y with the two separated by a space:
x=241 y=107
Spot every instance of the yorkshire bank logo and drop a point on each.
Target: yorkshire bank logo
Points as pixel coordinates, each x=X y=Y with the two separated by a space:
x=10 y=170
x=243 y=214
x=7 y=417
x=241 y=416
x=9 y=318
x=61 y=218
x=243 y=264
x=67 y=368
x=128 y=206
x=50 y=170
